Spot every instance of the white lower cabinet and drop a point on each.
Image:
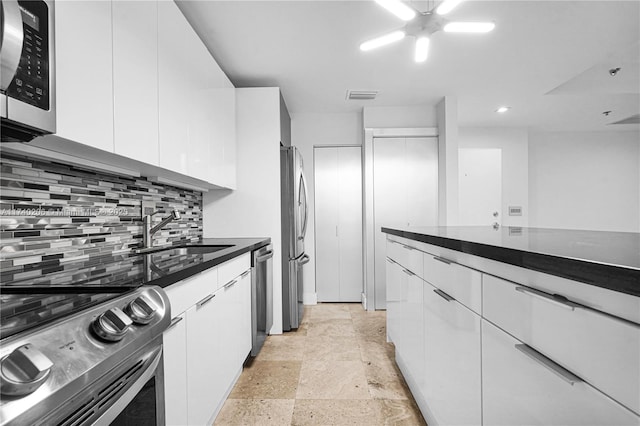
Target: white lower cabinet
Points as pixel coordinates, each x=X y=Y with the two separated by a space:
x=205 y=348
x=175 y=371
x=522 y=387
x=413 y=343
x=395 y=279
x=452 y=378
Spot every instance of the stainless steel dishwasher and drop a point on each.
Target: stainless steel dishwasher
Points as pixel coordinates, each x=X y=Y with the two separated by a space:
x=261 y=296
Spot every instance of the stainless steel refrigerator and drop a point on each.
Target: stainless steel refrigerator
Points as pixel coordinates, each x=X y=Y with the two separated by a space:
x=295 y=216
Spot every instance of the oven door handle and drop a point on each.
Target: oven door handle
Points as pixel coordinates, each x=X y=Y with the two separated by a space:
x=118 y=407
x=12 y=40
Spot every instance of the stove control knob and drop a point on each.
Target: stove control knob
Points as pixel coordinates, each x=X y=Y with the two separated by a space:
x=141 y=310
x=111 y=325
x=23 y=371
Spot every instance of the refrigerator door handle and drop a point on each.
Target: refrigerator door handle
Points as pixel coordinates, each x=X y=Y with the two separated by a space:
x=303 y=186
x=304 y=259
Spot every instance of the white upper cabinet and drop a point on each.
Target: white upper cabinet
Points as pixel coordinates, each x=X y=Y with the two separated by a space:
x=84 y=72
x=135 y=80
x=196 y=104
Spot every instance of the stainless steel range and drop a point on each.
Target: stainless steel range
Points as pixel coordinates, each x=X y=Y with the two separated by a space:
x=83 y=358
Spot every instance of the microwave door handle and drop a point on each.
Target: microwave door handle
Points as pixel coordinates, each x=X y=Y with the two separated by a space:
x=12 y=40
x=303 y=185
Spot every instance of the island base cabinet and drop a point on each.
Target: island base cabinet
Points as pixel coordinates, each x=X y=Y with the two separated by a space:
x=452 y=387
x=396 y=279
x=521 y=387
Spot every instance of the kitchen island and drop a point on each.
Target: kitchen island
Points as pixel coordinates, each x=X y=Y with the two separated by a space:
x=517 y=325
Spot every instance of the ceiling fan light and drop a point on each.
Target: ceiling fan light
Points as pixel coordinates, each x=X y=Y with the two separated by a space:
x=422 y=49
x=447 y=6
x=382 y=41
x=398 y=8
x=469 y=27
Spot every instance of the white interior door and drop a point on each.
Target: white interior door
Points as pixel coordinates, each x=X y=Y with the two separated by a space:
x=326 y=217
x=480 y=186
x=390 y=203
x=338 y=220
x=350 y=222
x=405 y=193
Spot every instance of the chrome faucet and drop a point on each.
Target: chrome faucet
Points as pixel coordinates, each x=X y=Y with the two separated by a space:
x=148 y=231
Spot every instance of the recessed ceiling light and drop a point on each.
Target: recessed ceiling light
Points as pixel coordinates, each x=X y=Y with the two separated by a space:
x=503 y=109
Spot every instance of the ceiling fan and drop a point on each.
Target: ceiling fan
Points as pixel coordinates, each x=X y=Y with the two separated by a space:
x=422 y=25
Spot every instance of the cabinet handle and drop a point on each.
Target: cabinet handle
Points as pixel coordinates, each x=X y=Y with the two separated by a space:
x=230 y=283
x=245 y=273
x=408 y=247
x=391 y=261
x=556 y=300
x=442 y=259
x=444 y=295
x=205 y=301
x=551 y=365
x=174 y=322
x=406 y=271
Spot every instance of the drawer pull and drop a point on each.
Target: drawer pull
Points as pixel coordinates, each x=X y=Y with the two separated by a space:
x=442 y=259
x=552 y=366
x=444 y=295
x=408 y=247
x=245 y=273
x=391 y=261
x=174 y=322
x=205 y=301
x=408 y=272
x=230 y=283
x=556 y=300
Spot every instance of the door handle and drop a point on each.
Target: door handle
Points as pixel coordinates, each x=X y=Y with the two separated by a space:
x=12 y=41
x=304 y=260
x=303 y=184
x=267 y=255
x=204 y=301
x=549 y=364
x=444 y=295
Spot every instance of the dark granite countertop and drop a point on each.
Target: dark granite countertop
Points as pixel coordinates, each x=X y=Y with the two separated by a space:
x=120 y=272
x=605 y=259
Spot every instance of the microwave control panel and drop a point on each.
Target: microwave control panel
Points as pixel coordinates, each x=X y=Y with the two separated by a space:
x=31 y=81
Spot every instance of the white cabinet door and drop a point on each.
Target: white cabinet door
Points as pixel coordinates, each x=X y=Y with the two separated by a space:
x=207 y=379
x=521 y=388
x=135 y=79
x=413 y=349
x=84 y=104
x=174 y=341
x=245 y=317
x=395 y=279
x=451 y=384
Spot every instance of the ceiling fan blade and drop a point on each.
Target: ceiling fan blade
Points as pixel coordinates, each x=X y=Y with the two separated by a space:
x=382 y=41
x=422 y=49
x=447 y=6
x=398 y=8
x=469 y=27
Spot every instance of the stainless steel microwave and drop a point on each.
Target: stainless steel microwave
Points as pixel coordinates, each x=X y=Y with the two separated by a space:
x=27 y=81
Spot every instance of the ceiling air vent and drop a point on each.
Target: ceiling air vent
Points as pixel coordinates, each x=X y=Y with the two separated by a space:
x=361 y=95
x=634 y=119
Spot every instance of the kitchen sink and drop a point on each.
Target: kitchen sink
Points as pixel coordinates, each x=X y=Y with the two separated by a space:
x=199 y=249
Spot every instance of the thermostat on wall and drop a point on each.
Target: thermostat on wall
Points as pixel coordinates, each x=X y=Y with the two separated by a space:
x=515 y=211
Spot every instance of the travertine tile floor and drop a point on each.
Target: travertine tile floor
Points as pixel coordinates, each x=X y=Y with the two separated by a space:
x=336 y=369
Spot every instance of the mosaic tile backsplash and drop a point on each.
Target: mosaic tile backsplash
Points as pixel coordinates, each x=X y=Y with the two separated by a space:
x=52 y=213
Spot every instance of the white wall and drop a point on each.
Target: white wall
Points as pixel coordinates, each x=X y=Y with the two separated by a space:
x=585 y=180
x=253 y=209
x=314 y=129
x=399 y=116
x=447 y=121
x=514 y=143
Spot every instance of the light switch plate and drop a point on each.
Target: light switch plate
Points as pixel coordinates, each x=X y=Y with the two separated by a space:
x=515 y=210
